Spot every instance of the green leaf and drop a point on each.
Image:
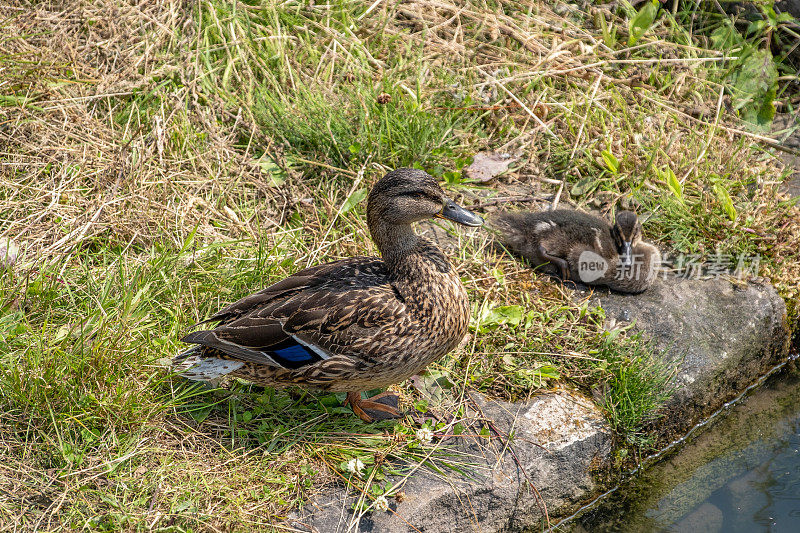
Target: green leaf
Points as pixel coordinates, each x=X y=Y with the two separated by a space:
x=755 y=84
x=611 y=161
x=452 y=177
x=536 y=376
x=272 y=171
x=491 y=317
x=725 y=200
x=725 y=37
x=642 y=21
x=433 y=385
x=13 y=100
x=421 y=406
x=201 y=413
x=353 y=200
x=183 y=505
x=582 y=186
x=756 y=26
x=674 y=185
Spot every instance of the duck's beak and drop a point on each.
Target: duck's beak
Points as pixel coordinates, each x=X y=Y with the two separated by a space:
x=626 y=255
x=456 y=213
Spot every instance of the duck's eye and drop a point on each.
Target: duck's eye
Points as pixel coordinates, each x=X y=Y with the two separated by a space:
x=418 y=195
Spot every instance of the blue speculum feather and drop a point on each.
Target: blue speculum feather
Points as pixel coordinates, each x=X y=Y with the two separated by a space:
x=296 y=353
x=291 y=354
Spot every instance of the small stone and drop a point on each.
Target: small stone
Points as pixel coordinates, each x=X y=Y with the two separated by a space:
x=9 y=252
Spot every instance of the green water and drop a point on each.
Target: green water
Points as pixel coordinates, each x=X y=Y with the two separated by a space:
x=740 y=473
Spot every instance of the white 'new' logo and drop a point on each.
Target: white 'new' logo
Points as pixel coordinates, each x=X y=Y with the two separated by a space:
x=591 y=266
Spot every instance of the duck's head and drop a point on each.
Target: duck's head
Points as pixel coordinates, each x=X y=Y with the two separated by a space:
x=408 y=195
x=627 y=233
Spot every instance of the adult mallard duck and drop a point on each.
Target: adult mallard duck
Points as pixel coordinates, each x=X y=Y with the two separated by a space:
x=582 y=246
x=355 y=324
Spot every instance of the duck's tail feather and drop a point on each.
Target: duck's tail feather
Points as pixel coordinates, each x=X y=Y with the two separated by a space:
x=191 y=364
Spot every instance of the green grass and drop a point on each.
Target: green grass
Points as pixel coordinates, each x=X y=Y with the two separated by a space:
x=192 y=155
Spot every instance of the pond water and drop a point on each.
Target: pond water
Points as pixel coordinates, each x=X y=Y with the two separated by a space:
x=739 y=473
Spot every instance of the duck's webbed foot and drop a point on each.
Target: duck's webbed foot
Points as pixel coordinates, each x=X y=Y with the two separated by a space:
x=383 y=406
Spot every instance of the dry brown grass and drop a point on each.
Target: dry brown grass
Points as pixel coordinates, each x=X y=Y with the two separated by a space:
x=73 y=173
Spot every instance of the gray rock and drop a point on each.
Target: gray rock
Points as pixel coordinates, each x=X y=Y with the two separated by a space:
x=746 y=494
x=789 y=6
x=706 y=518
x=558 y=439
x=721 y=335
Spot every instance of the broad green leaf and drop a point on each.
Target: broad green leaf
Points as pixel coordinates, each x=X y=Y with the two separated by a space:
x=755 y=84
x=432 y=385
x=642 y=21
x=725 y=37
x=582 y=186
x=725 y=200
x=354 y=199
x=491 y=317
x=611 y=161
x=756 y=26
x=272 y=171
x=672 y=182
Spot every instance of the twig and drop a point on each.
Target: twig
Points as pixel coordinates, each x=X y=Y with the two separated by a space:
x=517 y=100
x=772 y=143
x=708 y=140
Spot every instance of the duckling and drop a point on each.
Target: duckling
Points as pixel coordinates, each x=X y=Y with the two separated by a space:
x=352 y=325
x=580 y=246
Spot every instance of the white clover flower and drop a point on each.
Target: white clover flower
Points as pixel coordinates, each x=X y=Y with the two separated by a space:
x=354 y=466
x=425 y=435
x=381 y=504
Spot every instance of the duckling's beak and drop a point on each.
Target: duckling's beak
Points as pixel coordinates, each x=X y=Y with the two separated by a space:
x=456 y=213
x=626 y=255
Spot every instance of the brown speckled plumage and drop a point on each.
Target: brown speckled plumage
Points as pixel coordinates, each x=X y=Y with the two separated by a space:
x=363 y=322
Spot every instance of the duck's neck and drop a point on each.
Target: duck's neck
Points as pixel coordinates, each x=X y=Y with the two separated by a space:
x=395 y=241
x=406 y=254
